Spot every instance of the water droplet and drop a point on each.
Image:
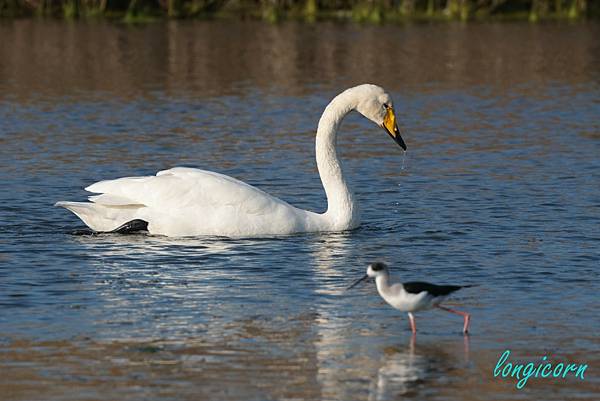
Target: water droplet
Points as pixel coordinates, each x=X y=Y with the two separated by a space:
x=403 y=160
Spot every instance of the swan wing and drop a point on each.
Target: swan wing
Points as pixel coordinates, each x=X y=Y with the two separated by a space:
x=183 y=187
x=218 y=190
x=188 y=201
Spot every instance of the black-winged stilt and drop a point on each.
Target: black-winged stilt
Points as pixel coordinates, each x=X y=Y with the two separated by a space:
x=413 y=296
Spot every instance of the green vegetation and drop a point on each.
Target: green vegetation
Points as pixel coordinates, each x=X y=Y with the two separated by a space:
x=373 y=11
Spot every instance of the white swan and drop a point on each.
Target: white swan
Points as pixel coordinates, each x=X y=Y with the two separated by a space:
x=186 y=201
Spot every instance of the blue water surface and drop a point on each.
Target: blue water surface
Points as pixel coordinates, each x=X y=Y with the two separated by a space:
x=499 y=188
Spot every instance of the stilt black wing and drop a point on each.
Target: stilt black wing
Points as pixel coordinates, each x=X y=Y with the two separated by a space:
x=416 y=287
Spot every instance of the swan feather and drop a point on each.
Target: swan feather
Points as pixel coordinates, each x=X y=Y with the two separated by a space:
x=188 y=201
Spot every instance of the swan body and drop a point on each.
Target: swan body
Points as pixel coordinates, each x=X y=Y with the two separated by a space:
x=186 y=201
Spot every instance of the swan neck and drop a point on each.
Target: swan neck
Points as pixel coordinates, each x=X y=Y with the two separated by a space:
x=342 y=210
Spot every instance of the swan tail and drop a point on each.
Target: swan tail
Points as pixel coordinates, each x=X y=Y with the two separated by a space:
x=102 y=217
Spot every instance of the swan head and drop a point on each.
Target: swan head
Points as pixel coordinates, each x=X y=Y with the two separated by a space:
x=376 y=105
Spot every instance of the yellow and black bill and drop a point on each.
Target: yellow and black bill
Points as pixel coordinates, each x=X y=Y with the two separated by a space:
x=389 y=124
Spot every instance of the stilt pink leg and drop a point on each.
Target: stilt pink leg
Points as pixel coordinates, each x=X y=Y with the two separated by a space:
x=413 y=325
x=411 y=345
x=465 y=315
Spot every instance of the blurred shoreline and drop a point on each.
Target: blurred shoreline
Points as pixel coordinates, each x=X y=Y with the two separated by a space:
x=363 y=11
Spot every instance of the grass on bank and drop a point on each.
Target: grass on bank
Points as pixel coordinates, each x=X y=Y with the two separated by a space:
x=368 y=11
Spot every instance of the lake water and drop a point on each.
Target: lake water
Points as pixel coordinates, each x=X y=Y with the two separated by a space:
x=500 y=187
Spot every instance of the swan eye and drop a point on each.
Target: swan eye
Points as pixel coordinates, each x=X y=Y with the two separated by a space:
x=386 y=106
